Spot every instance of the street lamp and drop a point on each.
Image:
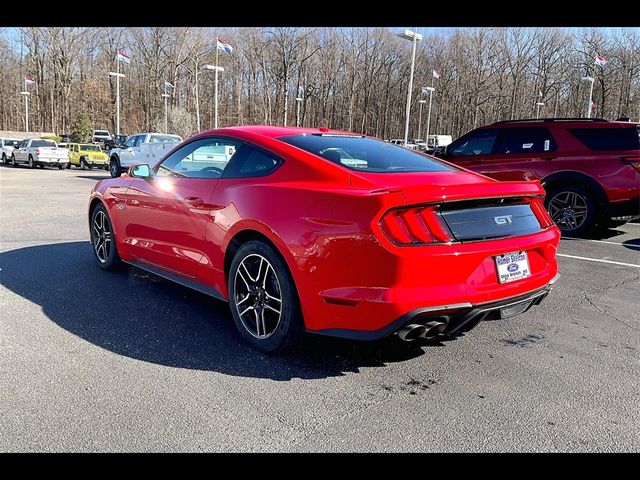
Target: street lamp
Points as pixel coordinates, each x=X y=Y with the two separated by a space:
x=431 y=90
x=421 y=102
x=26 y=109
x=538 y=105
x=415 y=37
x=216 y=69
x=166 y=96
x=299 y=100
x=118 y=75
x=589 y=79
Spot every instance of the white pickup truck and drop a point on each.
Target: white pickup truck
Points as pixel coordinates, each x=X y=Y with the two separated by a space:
x=6 y=147
x=40 y=152
x=139 y=149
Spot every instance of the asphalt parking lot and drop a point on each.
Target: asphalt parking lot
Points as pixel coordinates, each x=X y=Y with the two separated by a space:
x=96 y=361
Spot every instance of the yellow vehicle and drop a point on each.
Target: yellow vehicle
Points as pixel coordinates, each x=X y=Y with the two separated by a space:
x=87 y=155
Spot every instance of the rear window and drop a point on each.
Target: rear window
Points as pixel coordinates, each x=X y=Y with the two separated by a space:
x=91 y=148
x=366 y=154
x=101 y=133
x=43 y=143
x=602 y=139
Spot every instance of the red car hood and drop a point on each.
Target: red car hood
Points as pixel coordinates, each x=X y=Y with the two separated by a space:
x=447 y=186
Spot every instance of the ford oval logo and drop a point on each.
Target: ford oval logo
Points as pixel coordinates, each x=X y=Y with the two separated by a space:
x=503 y=219
x=513 y=267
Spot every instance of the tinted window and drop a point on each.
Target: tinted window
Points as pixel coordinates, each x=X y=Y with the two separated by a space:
x=600 y=139
x=91 y=148
x=527 y=140
x=250 y=162
x=205 y=158
x=101 y=133
x=479 y=142
x=366 y=154
x=43 y=143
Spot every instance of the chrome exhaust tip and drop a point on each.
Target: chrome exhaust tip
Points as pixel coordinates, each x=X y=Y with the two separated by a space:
x=411 y=332
x=433 y=328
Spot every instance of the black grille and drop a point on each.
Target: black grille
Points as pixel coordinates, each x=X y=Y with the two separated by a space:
x=490 y=222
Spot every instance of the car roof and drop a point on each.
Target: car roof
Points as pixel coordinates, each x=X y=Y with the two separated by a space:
x=564 y=122
x=273 y=131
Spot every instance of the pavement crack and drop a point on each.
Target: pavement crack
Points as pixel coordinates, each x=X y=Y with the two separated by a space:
x=604 y=312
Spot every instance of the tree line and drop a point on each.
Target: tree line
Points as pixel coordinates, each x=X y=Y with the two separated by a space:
x=348 y=78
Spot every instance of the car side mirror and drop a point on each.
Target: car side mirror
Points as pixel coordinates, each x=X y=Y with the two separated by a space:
x=141 y=171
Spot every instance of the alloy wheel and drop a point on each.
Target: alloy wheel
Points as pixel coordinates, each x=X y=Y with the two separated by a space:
x=258 y=298
x=101 y=233
x=568 y=210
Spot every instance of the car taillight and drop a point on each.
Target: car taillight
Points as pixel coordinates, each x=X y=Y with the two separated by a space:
x=633 y=161
x=37 y=151
x=413 y=226
x=537 y=207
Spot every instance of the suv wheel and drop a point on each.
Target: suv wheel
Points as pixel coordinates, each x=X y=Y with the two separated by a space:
x=572 y=209
x=31 y=163
x=114 y=168
x=4 y=158
x=263 y=299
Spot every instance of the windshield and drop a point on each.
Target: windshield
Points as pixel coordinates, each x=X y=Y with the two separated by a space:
x=366 y=154
x=164 y=139
x=101 y=133
x=43 y=143
x=90 y=148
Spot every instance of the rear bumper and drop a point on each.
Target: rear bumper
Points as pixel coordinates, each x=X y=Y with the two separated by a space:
x=627 y=210
x=51 y=161
x=456 y=317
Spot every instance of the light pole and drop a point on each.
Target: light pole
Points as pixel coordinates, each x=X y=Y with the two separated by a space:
x=431 y=90
x=118 y=76
x=166 y=96
x=538 y=105
x=299 y=100
x=415 y=37
x=589 y=79
x=421 y=102
x=216 y=69
x=26 y=108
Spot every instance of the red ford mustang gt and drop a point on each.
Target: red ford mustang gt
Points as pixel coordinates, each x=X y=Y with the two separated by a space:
x=329 y=232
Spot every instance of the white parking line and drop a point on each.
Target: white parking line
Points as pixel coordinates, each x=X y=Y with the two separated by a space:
x=598 y=260
x=631 y=245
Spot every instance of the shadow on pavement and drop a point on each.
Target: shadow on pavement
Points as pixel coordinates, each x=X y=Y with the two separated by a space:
x=142 y=316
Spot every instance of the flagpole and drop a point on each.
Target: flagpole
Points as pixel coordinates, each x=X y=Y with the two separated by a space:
x=215 y=124
x=590 y=98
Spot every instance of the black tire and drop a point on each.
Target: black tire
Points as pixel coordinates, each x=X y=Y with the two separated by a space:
x=573 y=221
x=110 y=259
x=114 y=167
x=68 y=165
x=31 y=162
x=4 y=158
x=285 y=329
x=13 y=161
x=83 y=164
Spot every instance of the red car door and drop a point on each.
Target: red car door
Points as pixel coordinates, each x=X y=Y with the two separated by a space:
x=520 y=154
x=167 y=213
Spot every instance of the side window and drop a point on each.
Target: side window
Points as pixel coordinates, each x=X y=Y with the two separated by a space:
x=527 y=140
x=251 y=162
x=23 y=144
x=479 y=142
x=138 y=140
x=131 y=141
x=206 y=158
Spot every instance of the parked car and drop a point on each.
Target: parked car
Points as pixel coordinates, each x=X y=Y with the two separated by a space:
x=100 y=137
x=39 y=152
x=400 y=142
x=141 y=148
x=327 y=232
x=117 y=141
x=590 y=168
x=438 y=141
x=6 y=147
x=83 y=155
x=64 y=138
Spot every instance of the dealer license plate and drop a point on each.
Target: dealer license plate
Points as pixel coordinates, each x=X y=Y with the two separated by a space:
x=512 y=266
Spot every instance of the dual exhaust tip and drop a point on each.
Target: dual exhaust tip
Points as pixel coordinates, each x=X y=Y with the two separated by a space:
x=413 y=331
